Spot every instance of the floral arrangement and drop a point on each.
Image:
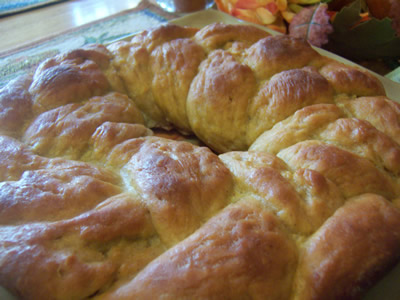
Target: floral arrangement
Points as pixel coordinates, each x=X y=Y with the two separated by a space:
x=272 y=13
x=355 y=29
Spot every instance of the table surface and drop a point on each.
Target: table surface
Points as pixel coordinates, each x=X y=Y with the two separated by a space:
x=30 y=26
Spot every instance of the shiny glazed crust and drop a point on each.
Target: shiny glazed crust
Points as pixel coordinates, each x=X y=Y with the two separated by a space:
x=294 y=195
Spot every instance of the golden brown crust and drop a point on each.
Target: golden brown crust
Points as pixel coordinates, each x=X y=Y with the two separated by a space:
x=50 y=273
x=151 y=39
x=338 y=259
x=65 y=131
x=51 y=193
x=284 y=94
x=252 y=258
x=178 y=180
x=99 y=200
x=65 y=260
x=352 y=81
x=218 y=35
x=379 y=111
x=253 y=176
x=354 y=175
x=175 y=64
x=58 y=83
x=110 y=134
x=218 y=100
x=304 y=124
x=16 y=158
x=15 y=106
x=327 y=122
x=303 y=199
x=363 y=139
x=275 y=54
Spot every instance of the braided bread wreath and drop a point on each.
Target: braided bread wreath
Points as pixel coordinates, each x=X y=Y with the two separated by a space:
x=294 y=197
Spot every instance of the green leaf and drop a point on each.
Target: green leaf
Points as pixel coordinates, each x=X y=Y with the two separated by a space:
x=347 y=17
x=371 y=39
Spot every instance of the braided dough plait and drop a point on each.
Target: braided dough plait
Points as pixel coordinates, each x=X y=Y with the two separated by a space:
x=294 y=197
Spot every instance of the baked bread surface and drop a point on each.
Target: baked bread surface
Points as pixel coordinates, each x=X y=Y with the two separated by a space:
x=281 y=183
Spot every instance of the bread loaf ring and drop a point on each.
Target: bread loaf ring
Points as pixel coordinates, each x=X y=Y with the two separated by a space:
x=283 y=182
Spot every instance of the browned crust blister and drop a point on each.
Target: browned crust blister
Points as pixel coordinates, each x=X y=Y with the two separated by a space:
x=294 y=197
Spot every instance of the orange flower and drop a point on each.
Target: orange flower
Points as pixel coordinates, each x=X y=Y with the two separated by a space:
x=272 y=13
